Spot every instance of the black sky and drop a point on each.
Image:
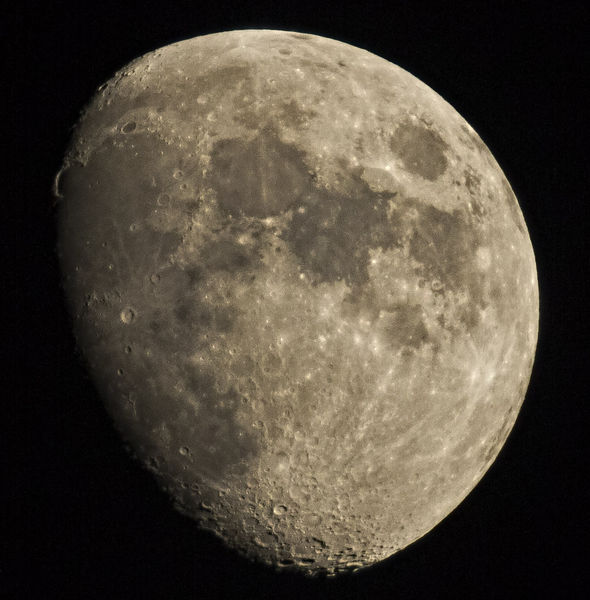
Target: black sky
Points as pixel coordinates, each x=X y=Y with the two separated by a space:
x=88 y=523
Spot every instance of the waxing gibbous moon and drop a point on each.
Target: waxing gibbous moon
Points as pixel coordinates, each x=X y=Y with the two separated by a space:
x=303 y=287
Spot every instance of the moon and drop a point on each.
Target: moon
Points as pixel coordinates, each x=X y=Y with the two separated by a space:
x=303 y=287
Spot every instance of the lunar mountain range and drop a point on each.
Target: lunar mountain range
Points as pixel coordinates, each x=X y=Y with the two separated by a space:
x=303 y=287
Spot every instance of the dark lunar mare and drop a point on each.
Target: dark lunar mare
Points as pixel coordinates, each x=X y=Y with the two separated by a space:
x=108 y=245
x=333 y=230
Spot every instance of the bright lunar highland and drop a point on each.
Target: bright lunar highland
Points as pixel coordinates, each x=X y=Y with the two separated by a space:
x=303 y=287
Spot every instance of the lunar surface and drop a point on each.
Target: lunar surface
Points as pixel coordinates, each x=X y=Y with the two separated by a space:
x=303 y=287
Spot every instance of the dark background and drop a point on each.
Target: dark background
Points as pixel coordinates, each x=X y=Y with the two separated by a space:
x=83 y=521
